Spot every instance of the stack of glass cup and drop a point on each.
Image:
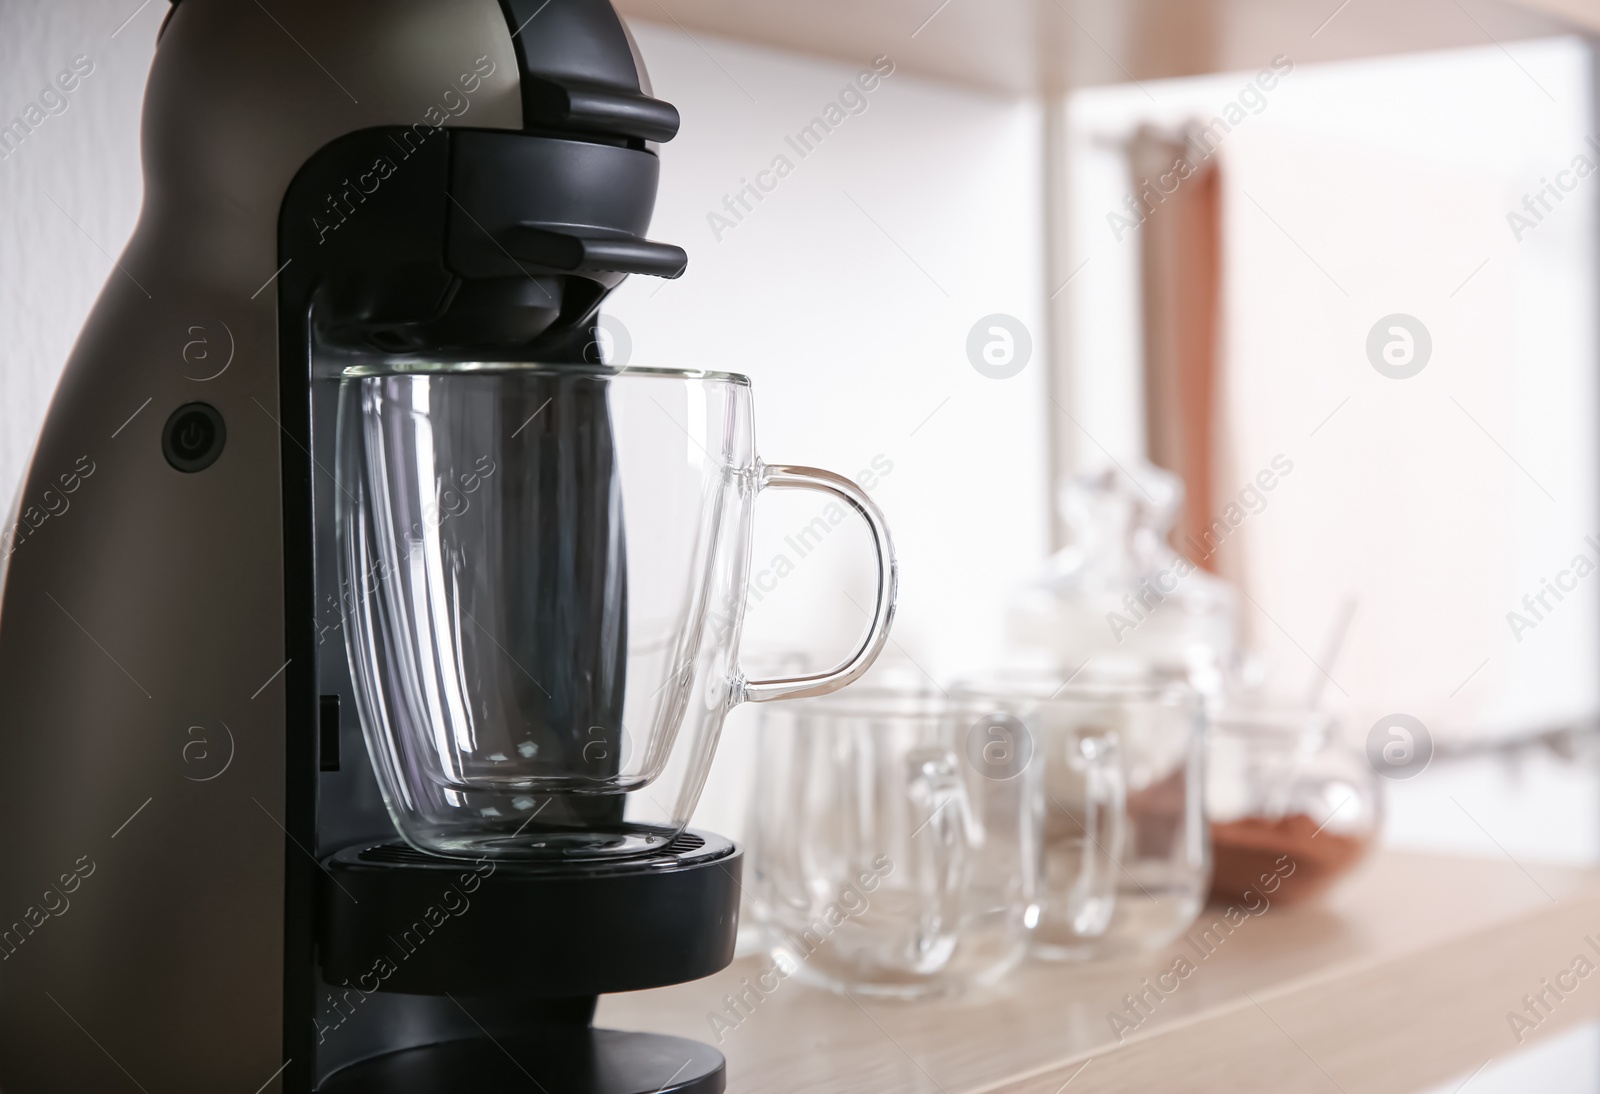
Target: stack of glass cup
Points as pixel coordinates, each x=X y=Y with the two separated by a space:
x=913 y=840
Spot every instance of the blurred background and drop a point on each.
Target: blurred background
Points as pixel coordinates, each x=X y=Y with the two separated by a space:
x=970 y=251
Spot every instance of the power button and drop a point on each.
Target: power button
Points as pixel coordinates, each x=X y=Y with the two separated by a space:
x=193 y=437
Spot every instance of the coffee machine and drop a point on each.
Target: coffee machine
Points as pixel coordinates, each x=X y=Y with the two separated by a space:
x=202 y=890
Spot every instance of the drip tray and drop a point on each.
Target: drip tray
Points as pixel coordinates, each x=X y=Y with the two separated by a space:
x=558 y=1060
x=685 y=849
x=392 y=919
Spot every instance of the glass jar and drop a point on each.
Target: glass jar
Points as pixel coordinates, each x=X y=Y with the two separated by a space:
x=1292 y=807
x=1120 y=597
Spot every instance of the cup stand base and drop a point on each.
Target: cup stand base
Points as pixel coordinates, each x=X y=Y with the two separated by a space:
x=571 y=1060
x=493 y=968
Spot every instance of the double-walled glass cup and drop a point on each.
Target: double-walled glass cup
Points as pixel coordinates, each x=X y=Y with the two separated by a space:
x=889 y=854
x=546 y=568
x=1125 y=851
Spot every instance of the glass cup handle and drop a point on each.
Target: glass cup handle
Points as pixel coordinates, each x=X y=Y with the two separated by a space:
x=793 y=477
x=1092 y=898
x=940 y=845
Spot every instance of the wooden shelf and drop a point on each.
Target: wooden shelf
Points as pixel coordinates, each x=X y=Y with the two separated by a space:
x=1022 y=46
x=1401 y=979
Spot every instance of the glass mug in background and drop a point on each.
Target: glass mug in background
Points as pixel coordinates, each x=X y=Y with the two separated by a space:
x=545 y=569
x=881 y=860
x=1125 y=851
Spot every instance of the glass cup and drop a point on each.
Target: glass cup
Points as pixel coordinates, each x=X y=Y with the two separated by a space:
x=1125 y=848
x=546 y=568
x=882 y=860
x=1292 y=807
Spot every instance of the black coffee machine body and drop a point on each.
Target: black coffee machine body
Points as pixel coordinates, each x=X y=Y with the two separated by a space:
x=202 y=890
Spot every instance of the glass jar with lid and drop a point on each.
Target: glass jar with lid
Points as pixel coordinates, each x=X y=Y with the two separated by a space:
x=1120 y=596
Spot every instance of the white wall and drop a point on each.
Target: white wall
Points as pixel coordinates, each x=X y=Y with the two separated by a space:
x=855 y=333
x=1360 y=190
x=847 y=294
x=1357 y=191
x=84 y=160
